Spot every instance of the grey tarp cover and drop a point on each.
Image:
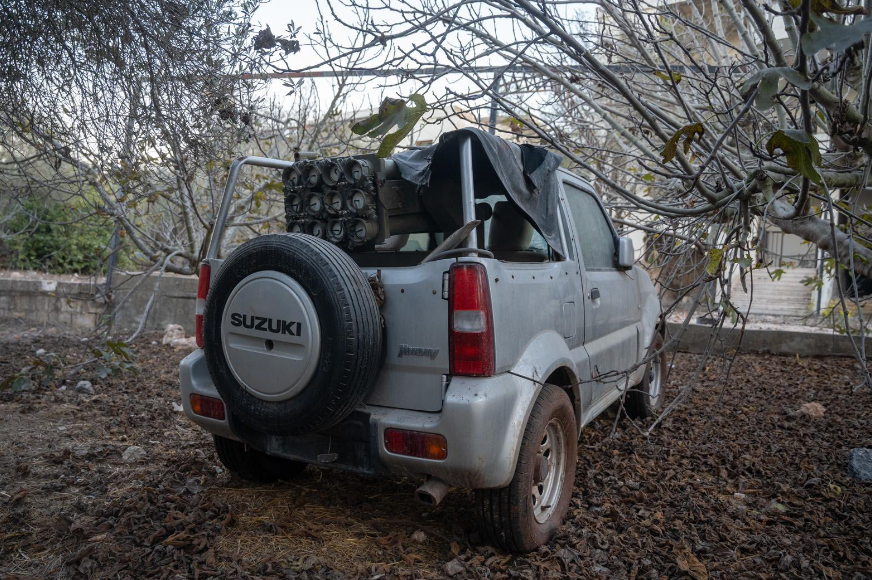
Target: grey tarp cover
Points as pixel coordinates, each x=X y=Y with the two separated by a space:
x=526 y=173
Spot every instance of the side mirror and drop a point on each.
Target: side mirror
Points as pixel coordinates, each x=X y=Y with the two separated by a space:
x=626 y=257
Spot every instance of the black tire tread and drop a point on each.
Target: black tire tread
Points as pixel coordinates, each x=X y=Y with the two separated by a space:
x=500 y=520
x=363 y=312
x=636 y=403
x=253 y=465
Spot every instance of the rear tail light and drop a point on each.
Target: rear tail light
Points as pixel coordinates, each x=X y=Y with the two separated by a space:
x=207 y=407
x=202 y=292
x=416 y=444
x=470 y=322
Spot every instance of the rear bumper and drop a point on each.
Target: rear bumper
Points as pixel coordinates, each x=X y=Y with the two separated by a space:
x=482 y=419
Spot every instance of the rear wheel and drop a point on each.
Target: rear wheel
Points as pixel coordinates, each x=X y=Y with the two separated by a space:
x=255 y=465
x=530 y=511
x=646 y=398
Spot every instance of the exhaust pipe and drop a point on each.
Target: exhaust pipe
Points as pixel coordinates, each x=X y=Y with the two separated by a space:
x=432 y=492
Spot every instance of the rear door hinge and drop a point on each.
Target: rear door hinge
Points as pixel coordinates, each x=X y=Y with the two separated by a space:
x=444 y=285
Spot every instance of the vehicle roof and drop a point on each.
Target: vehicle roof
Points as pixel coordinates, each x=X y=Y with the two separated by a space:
x=564 y=172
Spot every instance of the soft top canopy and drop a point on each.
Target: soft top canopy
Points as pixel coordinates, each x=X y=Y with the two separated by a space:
x=525 y=173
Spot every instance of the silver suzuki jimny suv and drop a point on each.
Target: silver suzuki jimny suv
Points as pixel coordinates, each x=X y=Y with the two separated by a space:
x=454 y=314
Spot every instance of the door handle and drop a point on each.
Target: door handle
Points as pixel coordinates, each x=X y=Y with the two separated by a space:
x=594 y=293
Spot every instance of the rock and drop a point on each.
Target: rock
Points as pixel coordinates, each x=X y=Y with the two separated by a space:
x=177 y=407
x=172 y=332
x=189 y=343
x=133 y=453
x=419 y=536
x=454 y=567
x=40 y=352
x=811 y=410
x=85 y=387
x=774 y=506
x=860 y=464
x=174 y=336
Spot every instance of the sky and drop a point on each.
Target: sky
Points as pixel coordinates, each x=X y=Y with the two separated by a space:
x=279 y=13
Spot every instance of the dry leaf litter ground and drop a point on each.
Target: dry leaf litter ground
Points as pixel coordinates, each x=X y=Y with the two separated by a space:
x=737 y=483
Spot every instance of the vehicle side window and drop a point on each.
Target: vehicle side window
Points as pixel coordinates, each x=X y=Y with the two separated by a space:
x=595 y=236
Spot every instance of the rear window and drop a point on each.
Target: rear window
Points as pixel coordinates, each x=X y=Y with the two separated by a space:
x=509 y=234
x=423 y=242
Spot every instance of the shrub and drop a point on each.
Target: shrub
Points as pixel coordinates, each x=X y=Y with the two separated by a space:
x=58 y=238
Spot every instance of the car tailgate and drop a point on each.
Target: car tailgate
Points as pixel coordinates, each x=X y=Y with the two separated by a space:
x=415 y=338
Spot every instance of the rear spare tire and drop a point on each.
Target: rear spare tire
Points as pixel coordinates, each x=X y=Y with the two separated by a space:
x=292 y=335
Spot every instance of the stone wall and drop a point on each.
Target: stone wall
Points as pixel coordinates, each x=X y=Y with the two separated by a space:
x=77 y=304
x=697 y=338
x=175 y=302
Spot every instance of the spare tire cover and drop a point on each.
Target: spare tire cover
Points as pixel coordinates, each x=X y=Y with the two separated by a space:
x=292 y=334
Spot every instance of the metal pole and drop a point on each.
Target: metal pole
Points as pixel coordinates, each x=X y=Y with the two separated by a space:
x=492 y=124
x=113 y=258
x=227 y=199
x=467 y=187
x=819 y=254
x=444 y=70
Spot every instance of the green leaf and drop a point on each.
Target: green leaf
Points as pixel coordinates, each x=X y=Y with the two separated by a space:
x=731 y=312
x=21 y=382
x=815 y=282
x=7 y=382
x=801 y=152
x=121 y=349
x=391 y=141
x=648 y=177
x=715 y=257
x=688 y=132
x=833 y=36
x=675 y=76
x=17 y=382
x=744 y=262
x=821 y=6
x=392 y=113
x=767 y=81
x=776 y=275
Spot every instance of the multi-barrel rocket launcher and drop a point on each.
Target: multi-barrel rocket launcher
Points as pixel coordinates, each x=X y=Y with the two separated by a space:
x=353 y=202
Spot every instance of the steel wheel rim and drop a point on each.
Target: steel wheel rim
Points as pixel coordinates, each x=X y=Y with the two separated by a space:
x=545 y=494
x=654 y=379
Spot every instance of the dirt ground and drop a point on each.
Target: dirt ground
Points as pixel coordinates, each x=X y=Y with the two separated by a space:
x=733 y=484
